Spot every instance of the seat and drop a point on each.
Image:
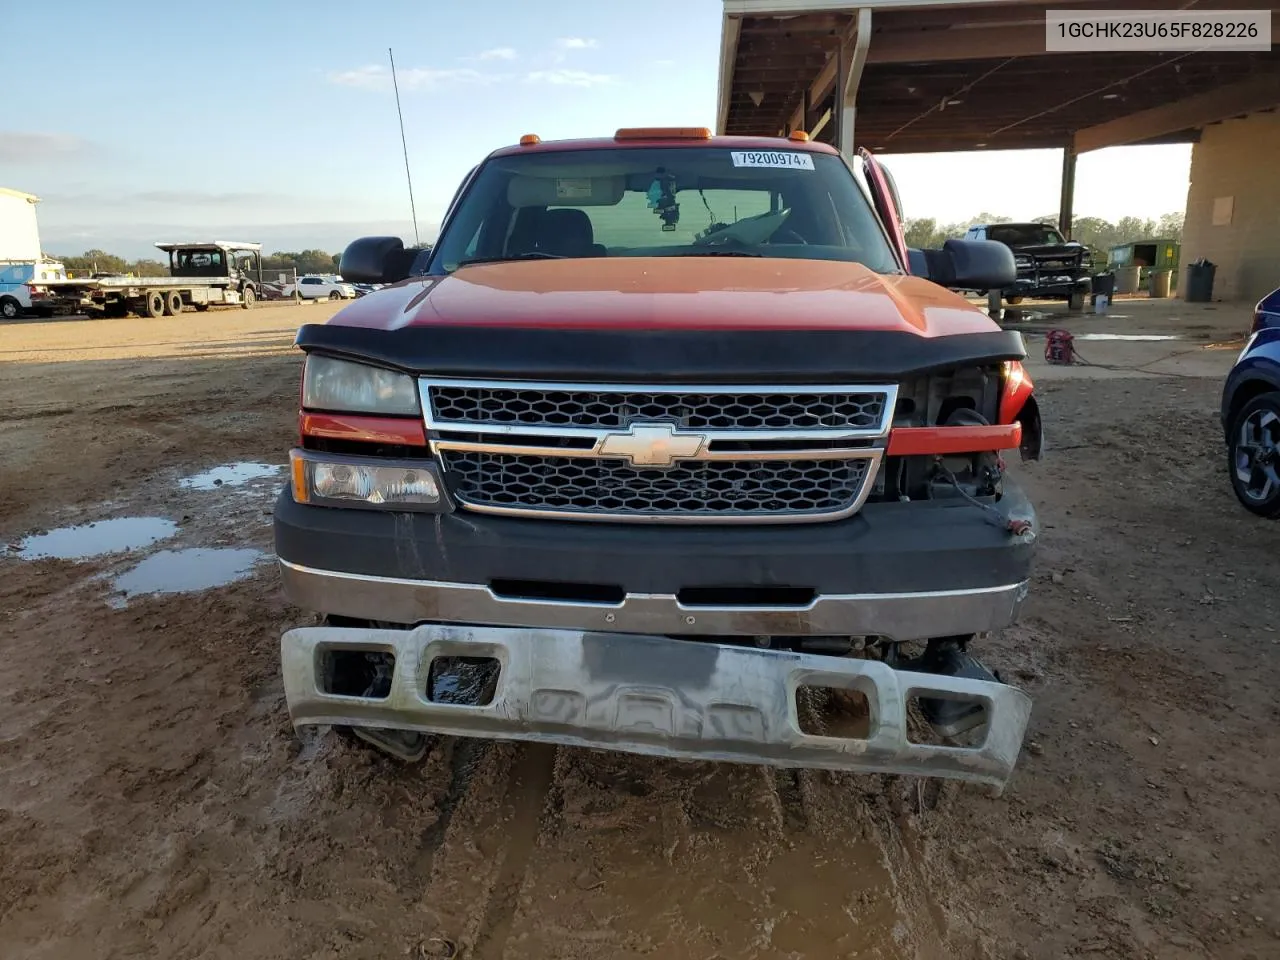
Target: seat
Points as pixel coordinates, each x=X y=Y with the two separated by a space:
x=567 y=232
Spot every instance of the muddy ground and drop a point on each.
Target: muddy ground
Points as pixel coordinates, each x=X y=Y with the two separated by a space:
x=154 y=801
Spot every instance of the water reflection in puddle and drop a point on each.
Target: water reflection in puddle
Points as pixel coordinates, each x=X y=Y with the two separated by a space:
x=230 y=475
x=97 y=539
x=1127 y=336
x=185 y=571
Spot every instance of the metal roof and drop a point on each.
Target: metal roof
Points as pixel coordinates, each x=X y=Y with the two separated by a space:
x=212 y=244
x=934 y=75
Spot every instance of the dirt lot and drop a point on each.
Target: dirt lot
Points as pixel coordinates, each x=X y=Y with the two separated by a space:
x=155 y=803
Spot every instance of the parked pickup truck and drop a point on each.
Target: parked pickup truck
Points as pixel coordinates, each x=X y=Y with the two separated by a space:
x=668 y=446
x=201 y=275
x=1049 y=266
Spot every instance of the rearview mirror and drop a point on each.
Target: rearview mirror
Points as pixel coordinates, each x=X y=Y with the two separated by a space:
x=376 y=260
x=967 y=265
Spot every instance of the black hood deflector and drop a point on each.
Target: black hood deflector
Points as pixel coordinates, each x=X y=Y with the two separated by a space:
x=661 y=356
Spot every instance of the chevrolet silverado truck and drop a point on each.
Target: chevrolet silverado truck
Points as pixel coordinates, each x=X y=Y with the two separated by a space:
x=1049 y=266
x=667 y=434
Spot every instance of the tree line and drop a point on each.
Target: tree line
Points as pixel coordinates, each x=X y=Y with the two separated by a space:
x=1095 y=233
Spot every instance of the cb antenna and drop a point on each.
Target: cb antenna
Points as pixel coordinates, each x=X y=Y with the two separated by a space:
x=404 y=144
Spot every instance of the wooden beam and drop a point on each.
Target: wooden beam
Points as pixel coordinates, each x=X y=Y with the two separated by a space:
x=1249 y=96
x=728 y=58
x=821 y=124
x=958 y=43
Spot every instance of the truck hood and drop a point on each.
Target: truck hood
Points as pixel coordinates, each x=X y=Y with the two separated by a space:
x=670 y=293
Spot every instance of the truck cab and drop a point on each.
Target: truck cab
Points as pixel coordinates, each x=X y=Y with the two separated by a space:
x=241 y=262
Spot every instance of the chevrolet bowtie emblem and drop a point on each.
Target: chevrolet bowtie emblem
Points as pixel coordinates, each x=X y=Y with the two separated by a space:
x=652 y=445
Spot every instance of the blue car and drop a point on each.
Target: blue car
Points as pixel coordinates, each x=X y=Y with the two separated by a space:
x=1251 y=413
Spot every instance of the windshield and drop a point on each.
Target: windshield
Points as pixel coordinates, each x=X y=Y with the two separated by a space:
x=659 y=202
x=1024 y=234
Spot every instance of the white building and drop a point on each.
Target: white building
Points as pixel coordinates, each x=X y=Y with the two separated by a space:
x=19 y=232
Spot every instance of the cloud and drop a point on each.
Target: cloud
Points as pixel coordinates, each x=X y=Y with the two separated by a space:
x=377 y=77
x=497 y=53
x=570 y=78
x=577 y=43
x=20 y=147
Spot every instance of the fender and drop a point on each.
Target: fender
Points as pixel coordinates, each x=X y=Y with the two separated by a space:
x=1018 y=405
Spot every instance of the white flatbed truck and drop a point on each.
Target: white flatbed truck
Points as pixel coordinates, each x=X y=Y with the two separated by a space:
x=201 y=275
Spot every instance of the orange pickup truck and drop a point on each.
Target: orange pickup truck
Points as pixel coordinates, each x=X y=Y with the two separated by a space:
x=669 y=445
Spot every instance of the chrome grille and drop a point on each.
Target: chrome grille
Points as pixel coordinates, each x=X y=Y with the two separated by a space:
x=599 y=486
x=695 y=454
x=543 y=407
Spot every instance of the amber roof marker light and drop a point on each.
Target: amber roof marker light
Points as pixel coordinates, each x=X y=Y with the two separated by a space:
x=530 y=140
x=799 y=136
x=663 y=133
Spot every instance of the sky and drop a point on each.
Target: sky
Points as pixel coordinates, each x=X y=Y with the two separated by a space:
x=277 y=122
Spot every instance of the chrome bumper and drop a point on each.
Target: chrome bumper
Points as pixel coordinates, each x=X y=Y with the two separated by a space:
x=899 y=616
x=655 y=696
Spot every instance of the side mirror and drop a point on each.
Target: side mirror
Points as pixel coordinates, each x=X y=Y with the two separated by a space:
x=966 y=265
x=376 y=260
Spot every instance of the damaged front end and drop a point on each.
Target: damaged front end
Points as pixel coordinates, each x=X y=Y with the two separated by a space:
x=650 y=695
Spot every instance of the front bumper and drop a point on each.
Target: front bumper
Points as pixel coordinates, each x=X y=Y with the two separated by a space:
x=655 y=696
x=1049 y=288
x=905 y=571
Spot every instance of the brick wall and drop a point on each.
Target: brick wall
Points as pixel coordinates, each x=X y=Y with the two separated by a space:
x=1236 y=159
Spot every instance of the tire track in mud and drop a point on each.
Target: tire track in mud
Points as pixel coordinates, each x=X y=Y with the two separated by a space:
x=526 y=801
x=473 y=858
x=464 y=755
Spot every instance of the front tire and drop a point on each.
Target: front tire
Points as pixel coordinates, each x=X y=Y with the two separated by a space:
x=1253 y=455
x=1076 y=301
x=248 y=297
x=10 y=309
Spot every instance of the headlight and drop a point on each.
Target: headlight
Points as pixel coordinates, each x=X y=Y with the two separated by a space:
x=1022 y=261
x=326 y=480
x=329 y=384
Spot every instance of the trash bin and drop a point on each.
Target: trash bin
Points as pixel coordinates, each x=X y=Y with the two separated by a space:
x=1127 y=279
x=1159 y=284
x=1103 y=284
x=1200 y=281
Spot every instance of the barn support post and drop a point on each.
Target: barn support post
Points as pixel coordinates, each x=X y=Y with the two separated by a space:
x=1066 y=201
x=853 y=57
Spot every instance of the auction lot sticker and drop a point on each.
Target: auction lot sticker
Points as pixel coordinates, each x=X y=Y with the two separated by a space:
x=786 y=159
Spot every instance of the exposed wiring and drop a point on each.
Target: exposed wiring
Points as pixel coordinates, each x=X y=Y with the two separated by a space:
x=1013 y=525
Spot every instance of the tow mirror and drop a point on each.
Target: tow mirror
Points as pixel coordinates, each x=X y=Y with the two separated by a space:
x=966 y=265
x=376 y=260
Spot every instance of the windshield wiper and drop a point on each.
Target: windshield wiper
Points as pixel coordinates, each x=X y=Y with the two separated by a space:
x=718 y=253
x=530 y=255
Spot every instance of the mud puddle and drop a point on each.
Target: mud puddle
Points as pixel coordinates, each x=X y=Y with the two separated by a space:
x=1134 y=337
x=98 y=539
x=186 y=571
x=231 y=475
